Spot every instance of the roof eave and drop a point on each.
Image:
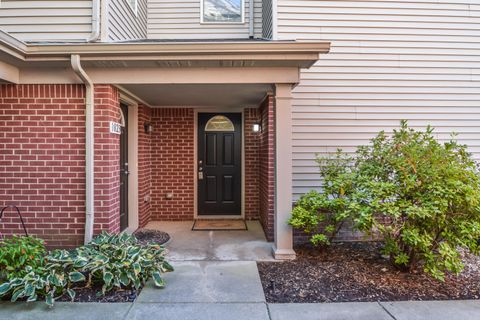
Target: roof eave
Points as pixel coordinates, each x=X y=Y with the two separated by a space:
x=307 y=52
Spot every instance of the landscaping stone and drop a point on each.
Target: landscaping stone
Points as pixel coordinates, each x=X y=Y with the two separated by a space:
x=199 y=311
x=330 y=311
x=208 y=281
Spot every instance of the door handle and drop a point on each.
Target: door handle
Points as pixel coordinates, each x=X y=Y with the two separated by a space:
x=125 y=170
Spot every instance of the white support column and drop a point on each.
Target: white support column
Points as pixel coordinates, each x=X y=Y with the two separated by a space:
x=283 y=247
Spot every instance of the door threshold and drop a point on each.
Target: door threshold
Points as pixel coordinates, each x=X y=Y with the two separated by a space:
x=219 y=217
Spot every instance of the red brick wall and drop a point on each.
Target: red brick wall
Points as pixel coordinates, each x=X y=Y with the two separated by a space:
x=267 y=167
x=144 y=166
x=42 y=160
x=252 y=178
x=107 y=160
x=172 y=163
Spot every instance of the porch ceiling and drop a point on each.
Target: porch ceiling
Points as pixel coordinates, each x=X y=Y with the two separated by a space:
x=200 y=95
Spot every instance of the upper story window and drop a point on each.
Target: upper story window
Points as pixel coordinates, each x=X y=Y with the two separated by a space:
x=222 y=11
x=133 y=4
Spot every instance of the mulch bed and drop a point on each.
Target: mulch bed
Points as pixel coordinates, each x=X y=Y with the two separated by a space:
x=358 y=272
x=146 y=236
x=90 y=295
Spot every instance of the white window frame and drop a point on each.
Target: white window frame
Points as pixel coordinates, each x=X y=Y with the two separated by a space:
x=223 y=22
x=133 y=6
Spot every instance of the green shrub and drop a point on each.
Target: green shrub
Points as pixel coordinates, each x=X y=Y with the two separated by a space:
x=17 y=253
x=421 y=196
x=321 y=215
x=112 y=261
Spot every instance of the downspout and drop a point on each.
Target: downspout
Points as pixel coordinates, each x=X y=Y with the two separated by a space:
x=89 y=146
x=251 y=19
x=95 y=21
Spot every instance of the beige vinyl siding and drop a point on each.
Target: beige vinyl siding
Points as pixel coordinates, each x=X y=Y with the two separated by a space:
x=168 y=19
x=257 y=18
x=390 y=60
x=123 y=23
x=55 y=20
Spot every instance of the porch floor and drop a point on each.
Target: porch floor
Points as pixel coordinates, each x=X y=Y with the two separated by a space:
x=188 y=245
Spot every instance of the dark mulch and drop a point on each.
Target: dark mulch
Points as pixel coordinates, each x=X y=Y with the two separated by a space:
x=358 y=272
x=146 y=236
x=90 y=295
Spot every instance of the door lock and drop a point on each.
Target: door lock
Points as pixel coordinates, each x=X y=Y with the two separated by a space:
x=200 y=175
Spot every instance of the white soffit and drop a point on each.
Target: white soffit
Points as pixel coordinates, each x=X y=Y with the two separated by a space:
x=201 y=95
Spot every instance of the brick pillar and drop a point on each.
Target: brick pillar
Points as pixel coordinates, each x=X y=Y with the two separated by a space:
x=107 y=160
x=252 y=153
x=267 y=166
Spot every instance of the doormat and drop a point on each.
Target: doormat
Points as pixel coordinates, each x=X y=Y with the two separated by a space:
x=219 y=225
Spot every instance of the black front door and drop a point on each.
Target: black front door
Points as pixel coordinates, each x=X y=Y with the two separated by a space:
x=219 y=163
x=124 y=171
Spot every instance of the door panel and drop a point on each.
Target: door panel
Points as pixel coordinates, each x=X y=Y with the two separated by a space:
x=211 y=189
x=228 y=149
x=228 y=184
x=219 y=164
x=124 y=171
x=211 y=149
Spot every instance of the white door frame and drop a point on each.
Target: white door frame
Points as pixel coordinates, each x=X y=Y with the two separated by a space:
x=133 y=220
x=195 y=164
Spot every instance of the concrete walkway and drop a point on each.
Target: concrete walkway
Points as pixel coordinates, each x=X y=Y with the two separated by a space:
x=428 y=310
x=216 y=278
x=188 y=245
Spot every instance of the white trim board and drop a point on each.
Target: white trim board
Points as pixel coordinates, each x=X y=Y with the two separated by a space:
x=133 y=218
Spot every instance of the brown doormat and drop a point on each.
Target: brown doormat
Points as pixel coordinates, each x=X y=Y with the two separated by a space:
x=219 y=225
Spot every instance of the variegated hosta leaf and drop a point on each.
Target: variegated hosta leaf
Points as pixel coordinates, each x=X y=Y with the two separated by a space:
x=76 y=276
x=4 y=288
x=157 y=278
x=71 y=294
x=107 y=278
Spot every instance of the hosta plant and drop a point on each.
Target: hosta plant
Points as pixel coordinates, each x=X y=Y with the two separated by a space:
x=321 y=215
x=40 y=283
x=119 y=261
x=110 y=261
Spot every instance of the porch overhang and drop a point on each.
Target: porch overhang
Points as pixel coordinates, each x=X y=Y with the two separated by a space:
x=159 y=62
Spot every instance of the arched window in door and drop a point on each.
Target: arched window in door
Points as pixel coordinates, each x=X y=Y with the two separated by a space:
x=219 y=123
